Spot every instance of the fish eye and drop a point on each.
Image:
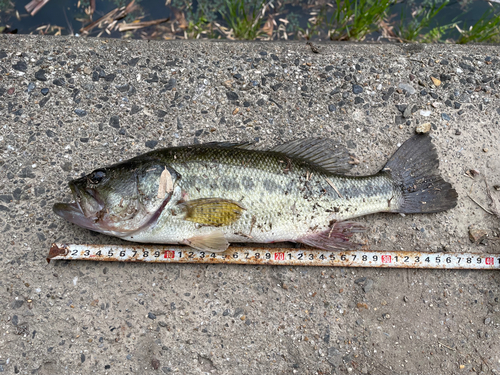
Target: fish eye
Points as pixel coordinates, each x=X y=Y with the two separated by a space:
x=97 y=176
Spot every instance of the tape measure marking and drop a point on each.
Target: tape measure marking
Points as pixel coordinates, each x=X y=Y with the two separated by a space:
x=276 y=256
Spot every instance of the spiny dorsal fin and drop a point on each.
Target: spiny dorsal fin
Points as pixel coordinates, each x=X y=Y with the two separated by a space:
x=241 y=145
x=325 y=153
x=215 y=212
x=213 y=241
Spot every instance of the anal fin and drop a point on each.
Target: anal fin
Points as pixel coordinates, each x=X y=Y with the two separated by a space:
x=335 y=238
x=214 y=241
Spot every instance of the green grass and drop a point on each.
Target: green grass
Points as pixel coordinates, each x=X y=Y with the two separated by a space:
x=245 y=20
x=202 y=26
x=351 y=20
x=6 y=5
x=343 y=20
x=436 y=34
x=485 y=29
x=355 y=19
x=411 y=31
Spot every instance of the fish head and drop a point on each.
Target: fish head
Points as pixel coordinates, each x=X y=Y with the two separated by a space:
x=119 y=200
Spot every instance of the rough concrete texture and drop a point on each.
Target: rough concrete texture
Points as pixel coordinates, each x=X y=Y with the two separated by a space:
x=69 y=105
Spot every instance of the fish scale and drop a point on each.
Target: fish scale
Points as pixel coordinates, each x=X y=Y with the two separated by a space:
x=281 y=203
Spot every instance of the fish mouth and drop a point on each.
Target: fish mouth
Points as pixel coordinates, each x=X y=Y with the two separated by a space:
x=73 y=213
x=84 y=211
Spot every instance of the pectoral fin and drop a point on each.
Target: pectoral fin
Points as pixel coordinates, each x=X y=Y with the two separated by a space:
x=213 y=241
x=215 y=212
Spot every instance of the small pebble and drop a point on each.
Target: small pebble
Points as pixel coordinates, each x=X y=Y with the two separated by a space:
x=80 y=112
x=407 y=112
x=408 y=88
x=151 y=143
x=114 y=121
x=151 y=316
x=485 y=149
x=423 y=128
x=40 y=75
x=476 y=235
x=31 y=87
x=445 y=117
x=368 y=285
x=436 y=81
x=357 y=89
x=44 y=91
x=474 y=172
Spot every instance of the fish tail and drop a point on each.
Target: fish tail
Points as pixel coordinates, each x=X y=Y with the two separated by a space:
x=414 y=169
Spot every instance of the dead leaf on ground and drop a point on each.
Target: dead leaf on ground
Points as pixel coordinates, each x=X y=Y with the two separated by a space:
x=139 y=25
x=269 y=26
x=180 y=18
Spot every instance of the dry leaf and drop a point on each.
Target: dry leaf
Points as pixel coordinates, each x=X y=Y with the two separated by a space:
x=268 y=26
x=180 y=18
x=139 y=25
x=387 y=30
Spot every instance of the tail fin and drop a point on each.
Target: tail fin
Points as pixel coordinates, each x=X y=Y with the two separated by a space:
x=414 y=167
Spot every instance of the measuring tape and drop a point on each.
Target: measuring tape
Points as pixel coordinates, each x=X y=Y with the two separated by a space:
x=276 y=257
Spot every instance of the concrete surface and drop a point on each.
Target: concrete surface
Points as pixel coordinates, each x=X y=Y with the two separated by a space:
x=108 y=100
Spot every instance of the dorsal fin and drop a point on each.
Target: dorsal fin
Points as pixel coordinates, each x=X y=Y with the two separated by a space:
x=325 y=153
x=241 y=145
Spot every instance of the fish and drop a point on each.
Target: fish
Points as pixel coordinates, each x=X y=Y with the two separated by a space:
x=210 y=195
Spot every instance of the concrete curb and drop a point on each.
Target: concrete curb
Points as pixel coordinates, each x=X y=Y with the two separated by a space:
x=68 y=105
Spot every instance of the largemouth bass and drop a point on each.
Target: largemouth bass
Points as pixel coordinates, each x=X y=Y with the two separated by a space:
x=206 y=196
